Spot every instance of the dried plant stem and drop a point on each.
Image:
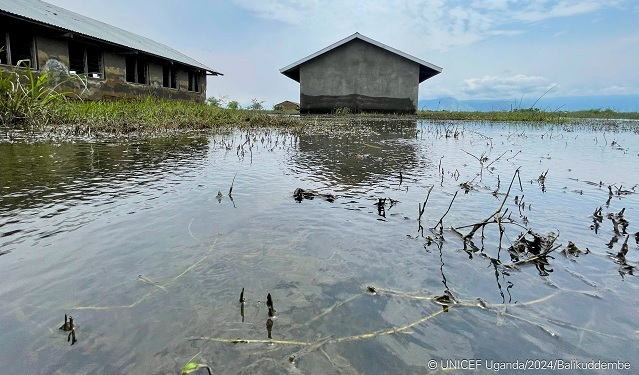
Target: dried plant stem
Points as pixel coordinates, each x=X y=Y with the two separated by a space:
x=487 y=220
x=440 y=223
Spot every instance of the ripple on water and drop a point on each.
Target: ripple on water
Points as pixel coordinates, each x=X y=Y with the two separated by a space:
x=130 y=238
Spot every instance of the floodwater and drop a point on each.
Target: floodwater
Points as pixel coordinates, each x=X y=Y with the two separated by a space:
x=131 y=239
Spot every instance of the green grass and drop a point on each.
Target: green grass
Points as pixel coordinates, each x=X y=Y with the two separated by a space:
x=602 y=113
x=151 y=115
x=145 y=115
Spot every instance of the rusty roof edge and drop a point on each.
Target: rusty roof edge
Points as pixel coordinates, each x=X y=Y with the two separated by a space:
x=296 y=64
x=10 y=9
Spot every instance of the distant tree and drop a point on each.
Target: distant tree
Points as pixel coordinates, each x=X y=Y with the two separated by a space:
x=256 y=105
x=217 y=102
x=233 y=104
x=277 y=107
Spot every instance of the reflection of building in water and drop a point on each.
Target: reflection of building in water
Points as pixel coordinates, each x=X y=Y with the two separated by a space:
x=370 y=153
x=360 y=74
x=35 y=173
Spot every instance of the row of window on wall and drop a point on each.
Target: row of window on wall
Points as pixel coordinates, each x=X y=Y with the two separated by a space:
x=86 y=59
x=137 y=72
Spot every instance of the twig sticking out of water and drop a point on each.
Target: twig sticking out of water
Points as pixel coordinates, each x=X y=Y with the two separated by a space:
x=231 y=189
x=498 y=211
x=269 y=304
x=440 y=223
x=422 y=207
x=69 y=326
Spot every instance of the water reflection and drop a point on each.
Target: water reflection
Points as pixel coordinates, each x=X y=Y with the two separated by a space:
x=46 y=182
x=269 y=327
x=59 y=175
x=372 y=153
x=141 y=268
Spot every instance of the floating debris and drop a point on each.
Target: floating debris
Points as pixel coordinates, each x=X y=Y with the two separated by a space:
x=146 y=280
x=445 y=299
x=300 y=194
x=481 y=303
x=466 y=186
x=571 y=250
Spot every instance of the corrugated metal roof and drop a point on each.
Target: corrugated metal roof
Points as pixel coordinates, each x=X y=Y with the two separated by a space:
x=52 y=15
x=426 y=69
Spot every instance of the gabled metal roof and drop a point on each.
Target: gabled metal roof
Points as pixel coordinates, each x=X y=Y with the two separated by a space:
x=51 y=15
x=426 y=69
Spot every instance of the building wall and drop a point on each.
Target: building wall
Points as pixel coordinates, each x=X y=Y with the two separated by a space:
x=52 y=54
x=360 y=76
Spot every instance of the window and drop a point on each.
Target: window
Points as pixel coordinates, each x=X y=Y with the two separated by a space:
x=169 y=78
x=194 y=81
x=85 y=60
x=136 y=69
x=3 y=47
x=17 y=48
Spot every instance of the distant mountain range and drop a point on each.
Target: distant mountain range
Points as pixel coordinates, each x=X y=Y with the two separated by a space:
x=619 y=103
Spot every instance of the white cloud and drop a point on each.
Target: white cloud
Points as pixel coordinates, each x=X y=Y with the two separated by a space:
x=506 y=87
x=444 y=23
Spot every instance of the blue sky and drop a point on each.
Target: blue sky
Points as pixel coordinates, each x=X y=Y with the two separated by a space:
x=497 y=49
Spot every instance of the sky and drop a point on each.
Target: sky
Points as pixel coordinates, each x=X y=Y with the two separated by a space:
x=488 y=49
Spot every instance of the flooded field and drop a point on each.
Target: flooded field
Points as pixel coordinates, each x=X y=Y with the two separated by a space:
x=484 y=246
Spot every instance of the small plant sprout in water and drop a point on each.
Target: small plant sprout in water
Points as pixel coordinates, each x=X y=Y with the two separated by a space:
x=69 y=326
x=191 y=367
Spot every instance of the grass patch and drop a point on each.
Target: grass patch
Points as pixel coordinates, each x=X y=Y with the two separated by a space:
x=144 y=116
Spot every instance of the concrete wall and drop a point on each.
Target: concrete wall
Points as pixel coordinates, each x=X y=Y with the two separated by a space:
x=52 y=54
x=360 y=76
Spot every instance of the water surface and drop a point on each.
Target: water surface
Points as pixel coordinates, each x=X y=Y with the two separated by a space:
x=129 y=237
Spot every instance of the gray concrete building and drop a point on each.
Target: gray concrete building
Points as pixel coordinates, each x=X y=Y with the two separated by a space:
x=113 y=63
x=360 y=74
